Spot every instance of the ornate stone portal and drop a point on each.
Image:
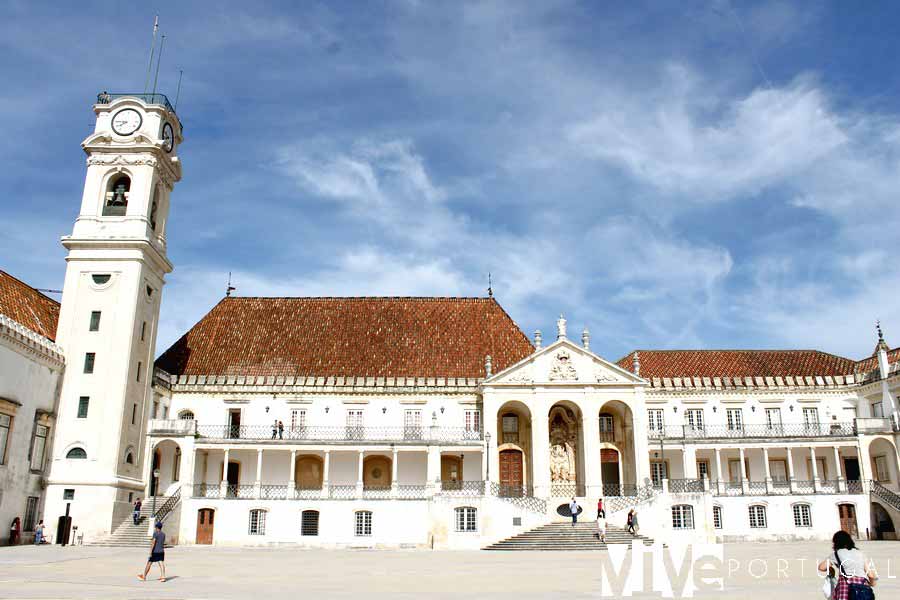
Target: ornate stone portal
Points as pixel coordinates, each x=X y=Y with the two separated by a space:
x=563 y=441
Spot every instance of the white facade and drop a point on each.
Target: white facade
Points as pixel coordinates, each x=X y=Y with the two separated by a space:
x=31 y=368
x=110 y=309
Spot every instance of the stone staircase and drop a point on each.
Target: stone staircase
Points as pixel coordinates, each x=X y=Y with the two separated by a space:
x=127 y=534
x=559 y=536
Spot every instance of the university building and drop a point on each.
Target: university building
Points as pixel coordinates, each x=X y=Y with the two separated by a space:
x=400 y=422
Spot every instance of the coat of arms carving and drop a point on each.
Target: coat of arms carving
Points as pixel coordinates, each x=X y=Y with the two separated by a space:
x=563 y=369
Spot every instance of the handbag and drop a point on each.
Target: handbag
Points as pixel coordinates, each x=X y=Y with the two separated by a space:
x=830 y=582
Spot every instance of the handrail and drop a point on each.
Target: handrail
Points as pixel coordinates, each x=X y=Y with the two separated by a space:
x=755 y=430
x=167 y=506
x=338 y=433
x=885 y=494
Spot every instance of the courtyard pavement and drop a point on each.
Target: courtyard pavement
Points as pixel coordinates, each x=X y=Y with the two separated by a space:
x=257 y=573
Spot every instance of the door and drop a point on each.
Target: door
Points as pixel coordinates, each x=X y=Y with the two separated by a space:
x=609 y=472
x=205 y=518
x=154 y=480
x=847 y=513
x=234 y=423
x=233 y=478
x=510 y=473
x=451 y=472
x=851 y=469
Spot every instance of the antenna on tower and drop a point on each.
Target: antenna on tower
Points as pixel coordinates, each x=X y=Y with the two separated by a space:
x=229 y=288
x=490 y=286
x=152 y=49
x=162 y=42
x=178 y=91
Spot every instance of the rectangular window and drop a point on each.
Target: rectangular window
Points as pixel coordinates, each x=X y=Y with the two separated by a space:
x=95 y=321
x=31 y=505
x=5 y=426
x=89 y=362
x=881 y=469
x=412 y=424
x=133 y=414
x=703 y=469
x=694 y=419
x=682 y=516
x=257 y=522
x=466 y=519
x=473 y=421
x=773 y=420
x=83 y=403
x=735 y=419
x=355 y=424
x=802 y=516
x=363 y=523
x=878 y=410
x=69 y=494
x=811 y=419
x=298 y=419
x=656 y=419
x=38 y=447
x=606 y=424
x=758 y=517
x=821 y=471
x=510 y=429
x=139 y=369
x=309 y=523
x=717 y=517
x=143 y=331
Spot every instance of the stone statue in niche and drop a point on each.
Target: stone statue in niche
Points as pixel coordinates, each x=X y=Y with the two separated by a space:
x=563 y=440
x=562 y=369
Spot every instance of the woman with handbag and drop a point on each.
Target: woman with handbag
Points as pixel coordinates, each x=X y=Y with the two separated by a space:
x=850 y=574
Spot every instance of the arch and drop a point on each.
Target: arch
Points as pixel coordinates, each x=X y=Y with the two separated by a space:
x=882 y=522
x=76 y=453
x=377 y=474
x=166 y=460
x=309 y=471
x=509 y=444
x=116 y=195
x=621 y=474
x=186 y=415
x=566 y=448
x=129 y=455
x=883 y=460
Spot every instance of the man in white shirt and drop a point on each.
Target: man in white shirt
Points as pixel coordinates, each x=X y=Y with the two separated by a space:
x=574 y=508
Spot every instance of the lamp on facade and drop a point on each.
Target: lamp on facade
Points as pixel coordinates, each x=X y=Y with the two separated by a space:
x=384 y=410
x=442 y=410
x=326 y=409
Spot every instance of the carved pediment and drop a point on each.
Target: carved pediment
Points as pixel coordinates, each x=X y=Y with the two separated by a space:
x=562 y=368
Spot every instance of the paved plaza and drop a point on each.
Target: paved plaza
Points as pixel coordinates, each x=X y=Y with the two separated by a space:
x=208 y=572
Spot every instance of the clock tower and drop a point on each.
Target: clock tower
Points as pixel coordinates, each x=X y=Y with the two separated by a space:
x=116 y=265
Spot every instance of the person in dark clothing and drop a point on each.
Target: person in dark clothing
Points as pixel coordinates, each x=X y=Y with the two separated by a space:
x=280 y=430
x=136 y=513
x=157 y=553
x=15 y=530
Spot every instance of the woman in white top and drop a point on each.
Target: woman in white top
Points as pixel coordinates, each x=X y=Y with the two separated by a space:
x=601 y=525
x=855 y=569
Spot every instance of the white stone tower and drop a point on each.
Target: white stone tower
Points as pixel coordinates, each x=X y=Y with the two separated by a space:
x=115 y=272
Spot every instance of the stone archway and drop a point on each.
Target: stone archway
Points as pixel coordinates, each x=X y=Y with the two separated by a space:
x=514 y=447
x=882 y=524
x=883 y=460
x=377 y=472
x=566 y=447
x=165 y=459
x=618 y=469
x=308 y=472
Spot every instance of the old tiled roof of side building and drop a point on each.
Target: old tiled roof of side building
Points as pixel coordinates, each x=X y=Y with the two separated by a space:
x=871 y=363
x=27 y=306
x=738 y=363
x=347 y=337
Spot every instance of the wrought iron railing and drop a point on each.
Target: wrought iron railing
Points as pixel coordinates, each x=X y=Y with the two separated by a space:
x=171 y=502
x=804 y=486
x=342 y=492
x=161 y=99
x=410 y=491
x=888 y=496
x=377 y=492
x=462 y=488
x=566 y=489
x=619 y=489
x=241 y=491
x=308 y=492
x=855 y=486
x=757 y=488
x=522 y=496
x=338 y=433
x=273 y=492
x=828 y=486
x=726 y=488
x=781 y=487
x=640 y=495
x=685 y=486
x=761 y=430
x=207 y=490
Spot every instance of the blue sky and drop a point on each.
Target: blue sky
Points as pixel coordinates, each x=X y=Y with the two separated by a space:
x=674 y=175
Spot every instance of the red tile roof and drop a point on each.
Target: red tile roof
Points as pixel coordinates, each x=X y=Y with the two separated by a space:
x=871 y=363
x=345 y=337
x=27 y=306
x=738 y=363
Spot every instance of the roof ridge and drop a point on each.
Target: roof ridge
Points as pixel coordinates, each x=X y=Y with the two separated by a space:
x=478 y=298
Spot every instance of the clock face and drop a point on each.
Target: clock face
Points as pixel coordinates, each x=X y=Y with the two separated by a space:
x=126 y=121
x=168 y=137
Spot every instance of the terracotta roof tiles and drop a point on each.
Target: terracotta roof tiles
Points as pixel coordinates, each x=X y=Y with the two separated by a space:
x=737 y=363
x=27 y=306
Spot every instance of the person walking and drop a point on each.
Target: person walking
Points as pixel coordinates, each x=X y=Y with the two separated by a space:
x=15 y=529
x=629 y=522
x=275 y=429
x=39 y=533
x=574 y=509
x=851 y=574
x=280 y=430
x=136 y=513
x=601 y=525
x=634 y=522
x=157 y=553
x=599 y=506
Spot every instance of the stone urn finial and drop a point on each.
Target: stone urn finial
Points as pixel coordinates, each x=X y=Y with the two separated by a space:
x=538 y=338
x=586 y=338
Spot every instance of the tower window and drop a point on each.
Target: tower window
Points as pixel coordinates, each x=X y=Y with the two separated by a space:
x=140 y=367
x=95 y=321
x=89 y=358
x=154 y=207
x=117 y=196
x=83 y=404
x=143 y=330
x=133 y=413
x=129 y=458
x=100 y=279
x=77 y=453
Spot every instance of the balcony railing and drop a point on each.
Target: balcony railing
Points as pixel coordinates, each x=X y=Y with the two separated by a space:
x=462 y=488
x=160 y=99
x=173 y=426
x=762 y=430
x=620 y=489
x=338 y=434
x=685 y=486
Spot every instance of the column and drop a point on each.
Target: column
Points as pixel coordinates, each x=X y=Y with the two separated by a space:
x=718 y=469
x=815 y=468
x=394 y=470
x=689 y=460
x=258 y=487
x=540 y=451
x=432 y=470
x=359 y=475
x=593 y=485
x=292 y=478
x=326 y=469
x=223 y=486
x=490 y=409
x=838 y=474
x=790 y=469
x=768 y=470
x=745 y=487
